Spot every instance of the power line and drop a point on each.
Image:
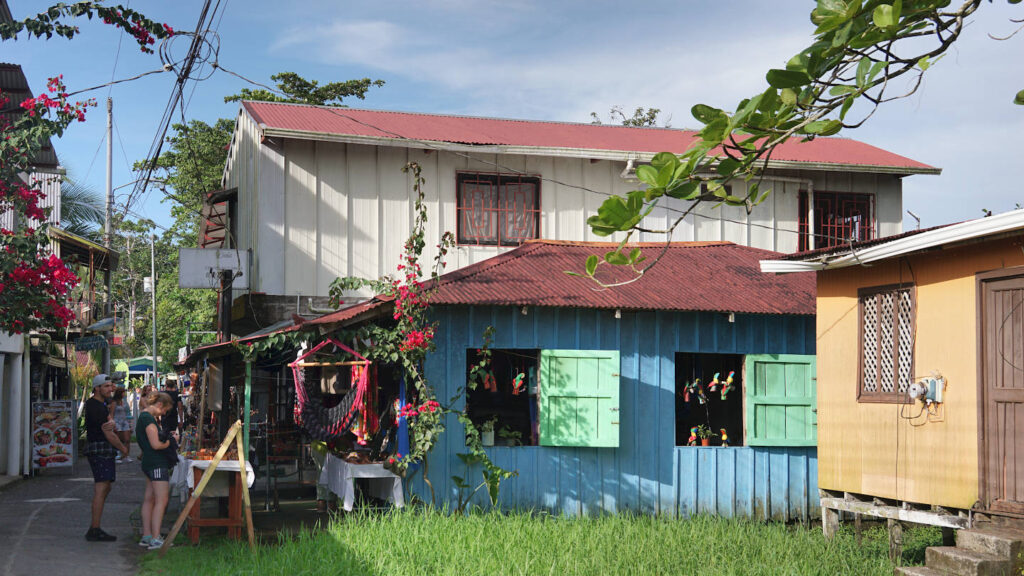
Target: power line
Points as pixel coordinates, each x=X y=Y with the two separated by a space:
x=183 y=75
x=124 y=153
x=117 y=55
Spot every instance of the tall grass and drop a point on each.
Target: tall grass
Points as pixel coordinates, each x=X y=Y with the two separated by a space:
x=422 y=542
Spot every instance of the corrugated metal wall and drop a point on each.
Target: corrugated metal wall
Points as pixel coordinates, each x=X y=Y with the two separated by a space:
x=50 y=184
x=313 y=211
x=647 y=472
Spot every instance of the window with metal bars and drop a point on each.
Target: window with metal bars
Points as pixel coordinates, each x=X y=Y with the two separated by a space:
x=839 y=218
x=497 y=209
x=886 y=343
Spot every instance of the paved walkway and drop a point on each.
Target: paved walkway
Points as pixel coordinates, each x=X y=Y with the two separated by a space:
x=43 y=522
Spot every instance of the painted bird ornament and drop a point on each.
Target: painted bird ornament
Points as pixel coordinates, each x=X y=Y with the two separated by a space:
x=692 y=440
x=725 y=438
x=727 y=385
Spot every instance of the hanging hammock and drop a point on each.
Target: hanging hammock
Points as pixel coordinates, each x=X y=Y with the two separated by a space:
x=324 y=423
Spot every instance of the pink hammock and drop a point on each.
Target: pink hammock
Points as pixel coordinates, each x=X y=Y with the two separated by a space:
x=324 y=423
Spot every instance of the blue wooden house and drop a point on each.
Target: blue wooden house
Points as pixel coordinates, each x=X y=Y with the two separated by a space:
x=593 y=393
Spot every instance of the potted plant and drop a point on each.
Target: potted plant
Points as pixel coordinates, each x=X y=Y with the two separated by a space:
x=509 y=436
x=487 y=431
x=705 y=434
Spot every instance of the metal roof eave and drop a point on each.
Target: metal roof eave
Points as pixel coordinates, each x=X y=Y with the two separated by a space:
x=972 y=229
x=590 y=153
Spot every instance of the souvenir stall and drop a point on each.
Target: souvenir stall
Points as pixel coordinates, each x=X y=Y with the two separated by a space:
x=211 y=464
x=348 y=407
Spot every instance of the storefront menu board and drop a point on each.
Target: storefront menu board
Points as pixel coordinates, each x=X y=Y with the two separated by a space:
x=53 y=434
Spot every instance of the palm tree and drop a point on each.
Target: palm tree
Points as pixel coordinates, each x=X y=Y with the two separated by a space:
x=82 y=211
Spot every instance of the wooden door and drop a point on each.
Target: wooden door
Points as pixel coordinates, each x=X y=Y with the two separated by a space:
x=1002 y=394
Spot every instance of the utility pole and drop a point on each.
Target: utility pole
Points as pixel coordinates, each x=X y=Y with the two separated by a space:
x=152 y=271
x=108 y=223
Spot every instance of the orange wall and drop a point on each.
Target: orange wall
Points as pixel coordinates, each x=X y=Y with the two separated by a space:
x=872 y=448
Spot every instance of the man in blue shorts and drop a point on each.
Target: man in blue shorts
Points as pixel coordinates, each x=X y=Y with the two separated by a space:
x=102 y=446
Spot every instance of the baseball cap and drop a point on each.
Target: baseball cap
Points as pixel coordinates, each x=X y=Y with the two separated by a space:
x=100 y=380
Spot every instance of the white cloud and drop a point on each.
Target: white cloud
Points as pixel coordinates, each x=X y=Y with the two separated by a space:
x=564 y=81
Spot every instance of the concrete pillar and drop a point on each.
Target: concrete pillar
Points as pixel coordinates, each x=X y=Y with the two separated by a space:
x=14 y=412
x=26 y=411
x=3 y=418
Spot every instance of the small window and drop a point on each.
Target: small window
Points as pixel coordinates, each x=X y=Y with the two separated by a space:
x=886 y=343
x=697 y=404
x=497 y=209
x=507 y=397
x=548 y=397
x=839 y=218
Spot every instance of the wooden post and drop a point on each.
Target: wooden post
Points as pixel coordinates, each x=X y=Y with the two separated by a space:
x=856 y=527
x=895 y=541
x=829 y=522
x=246 y=505
x=205 y=376
x=202 y=486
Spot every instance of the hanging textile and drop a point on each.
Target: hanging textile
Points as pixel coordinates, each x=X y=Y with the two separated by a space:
x=367 y=423
x=324 y=423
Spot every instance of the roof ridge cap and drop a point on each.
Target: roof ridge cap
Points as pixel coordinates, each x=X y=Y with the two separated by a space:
x=475 y=117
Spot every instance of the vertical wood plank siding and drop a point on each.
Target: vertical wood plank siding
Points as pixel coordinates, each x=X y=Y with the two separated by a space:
x=647 y=473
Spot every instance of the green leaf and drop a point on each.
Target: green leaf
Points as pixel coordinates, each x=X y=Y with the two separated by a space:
x=787 y=78
x=846 y=106
x=647 y=174
x=885 y=16
x=797 y=63
x=863 y=67
x=633 y=255
x=823 y=127
x=616 y=258
x=788 y=96
x=592 y=261
x=840 y=90
x=662 y=159
x=685 y=190
x=728 y=166
x=1019 y=98
x=706 y=114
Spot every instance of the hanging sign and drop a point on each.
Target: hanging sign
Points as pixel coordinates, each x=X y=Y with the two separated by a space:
x=91 y=342
x=53 y=434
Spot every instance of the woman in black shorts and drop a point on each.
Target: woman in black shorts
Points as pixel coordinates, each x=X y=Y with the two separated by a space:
x=154 y=466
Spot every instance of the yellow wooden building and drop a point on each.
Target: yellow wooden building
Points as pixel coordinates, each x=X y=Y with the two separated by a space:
x=936 y=309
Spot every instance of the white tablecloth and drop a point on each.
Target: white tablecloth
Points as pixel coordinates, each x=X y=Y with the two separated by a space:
x=183 y=479
x=338 y=476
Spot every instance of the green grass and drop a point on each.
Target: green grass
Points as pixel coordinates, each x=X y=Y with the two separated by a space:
x=424 y=542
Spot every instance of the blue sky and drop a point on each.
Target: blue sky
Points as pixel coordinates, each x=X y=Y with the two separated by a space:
x=545 y=61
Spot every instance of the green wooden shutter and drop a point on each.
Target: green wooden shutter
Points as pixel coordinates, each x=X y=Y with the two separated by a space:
x=781 y=399
x=579 y=398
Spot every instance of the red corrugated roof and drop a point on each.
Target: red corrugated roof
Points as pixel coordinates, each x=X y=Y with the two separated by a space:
x=691 y=276
x=503 y=132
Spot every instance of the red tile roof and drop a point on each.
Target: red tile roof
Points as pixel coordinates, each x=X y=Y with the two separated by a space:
x=691 y=276
x=322 y=120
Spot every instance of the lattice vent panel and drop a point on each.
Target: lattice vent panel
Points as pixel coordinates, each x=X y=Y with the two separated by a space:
x=869 y=360
x=885 y=328
x=906 y=342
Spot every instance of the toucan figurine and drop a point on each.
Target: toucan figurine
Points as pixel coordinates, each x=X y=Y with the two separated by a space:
x=725 y=439
x=727 y=385
x=691 y=389
x=518 y=384
x=713 y=385
x=700 y=393
x=692 y=440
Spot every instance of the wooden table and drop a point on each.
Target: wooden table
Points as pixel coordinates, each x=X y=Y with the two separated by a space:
x=233 y=521
x=338 y=476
